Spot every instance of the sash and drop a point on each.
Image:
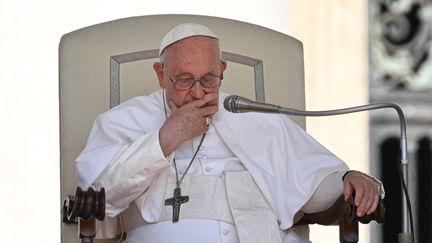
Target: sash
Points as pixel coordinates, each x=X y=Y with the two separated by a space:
x=233 y=198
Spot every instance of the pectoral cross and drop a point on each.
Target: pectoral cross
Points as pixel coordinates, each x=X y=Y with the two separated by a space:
x=176 y=201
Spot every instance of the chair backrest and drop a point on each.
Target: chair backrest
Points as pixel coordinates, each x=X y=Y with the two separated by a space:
x=105 y=64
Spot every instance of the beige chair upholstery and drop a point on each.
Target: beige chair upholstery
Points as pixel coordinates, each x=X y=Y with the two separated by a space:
x=108 y=63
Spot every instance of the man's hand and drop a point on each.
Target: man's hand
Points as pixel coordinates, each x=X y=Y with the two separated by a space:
x=186 y=122
x=366 y=191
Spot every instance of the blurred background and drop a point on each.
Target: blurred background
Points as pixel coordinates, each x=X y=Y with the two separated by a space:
x=355 y=52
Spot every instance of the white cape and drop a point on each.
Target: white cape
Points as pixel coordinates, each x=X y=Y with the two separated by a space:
x=286 y=163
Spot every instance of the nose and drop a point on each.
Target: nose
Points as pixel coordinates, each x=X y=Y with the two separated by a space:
x=197 y=91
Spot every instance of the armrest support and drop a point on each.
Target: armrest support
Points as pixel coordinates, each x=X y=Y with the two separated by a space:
x=343 y=214
x=339 y=209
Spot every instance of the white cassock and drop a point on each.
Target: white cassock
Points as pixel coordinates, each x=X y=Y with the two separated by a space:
x=286 y=165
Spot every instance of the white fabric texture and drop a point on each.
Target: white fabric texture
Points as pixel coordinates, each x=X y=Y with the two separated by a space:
x=254 y=219
x=330 y=188
x=194 y=230
x=286 y=163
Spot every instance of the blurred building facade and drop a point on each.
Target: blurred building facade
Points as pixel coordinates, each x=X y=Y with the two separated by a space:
x=358 y=52
x=400 y=71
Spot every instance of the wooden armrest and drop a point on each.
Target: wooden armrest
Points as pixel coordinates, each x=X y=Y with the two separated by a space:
x=87 y=206
x=344 y=214
x=339 y=209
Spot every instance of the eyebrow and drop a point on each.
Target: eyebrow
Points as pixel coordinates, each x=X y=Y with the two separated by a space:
x=190 y=75
x=184 y=74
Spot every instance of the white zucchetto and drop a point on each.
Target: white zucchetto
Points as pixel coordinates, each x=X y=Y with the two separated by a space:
x=182 y=31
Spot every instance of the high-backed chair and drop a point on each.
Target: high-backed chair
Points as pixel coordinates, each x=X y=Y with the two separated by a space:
x=106 y=64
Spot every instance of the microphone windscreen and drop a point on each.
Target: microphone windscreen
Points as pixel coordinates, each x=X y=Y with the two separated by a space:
x=230 y=103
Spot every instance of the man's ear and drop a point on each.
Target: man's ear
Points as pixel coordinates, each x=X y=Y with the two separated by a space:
x=158 y=68
x=223 y=65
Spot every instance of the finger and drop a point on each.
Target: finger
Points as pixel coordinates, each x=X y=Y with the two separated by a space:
x=213 y=101
x=359 y=194
x=208 y=111
x=374 y=205
x=348 y=191
x=361 y=209
x=206 y=99
x=172 y=106
x=211 y=96
x=368 y=203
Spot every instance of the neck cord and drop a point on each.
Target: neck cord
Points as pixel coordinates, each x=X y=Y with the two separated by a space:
x=178 y=182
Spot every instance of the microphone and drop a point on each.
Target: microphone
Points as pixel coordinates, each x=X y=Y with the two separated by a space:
x=238 y=104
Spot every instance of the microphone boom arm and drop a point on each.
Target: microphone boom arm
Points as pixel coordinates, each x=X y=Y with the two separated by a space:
x=238 y=104
x=373 y=106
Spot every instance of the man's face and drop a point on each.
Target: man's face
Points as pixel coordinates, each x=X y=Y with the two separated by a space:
x=192 y=57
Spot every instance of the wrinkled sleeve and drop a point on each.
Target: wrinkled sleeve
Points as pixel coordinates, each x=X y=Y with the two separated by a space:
x=326 y=194
x=122 y=159
x=329 y=191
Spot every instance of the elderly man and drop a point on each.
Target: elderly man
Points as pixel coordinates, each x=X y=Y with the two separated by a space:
x=180 y=168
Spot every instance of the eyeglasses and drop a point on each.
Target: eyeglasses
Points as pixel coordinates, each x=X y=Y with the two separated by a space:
x=208 y=81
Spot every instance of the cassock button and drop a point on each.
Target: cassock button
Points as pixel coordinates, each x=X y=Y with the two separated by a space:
x=208 y=169
x=225 y=231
